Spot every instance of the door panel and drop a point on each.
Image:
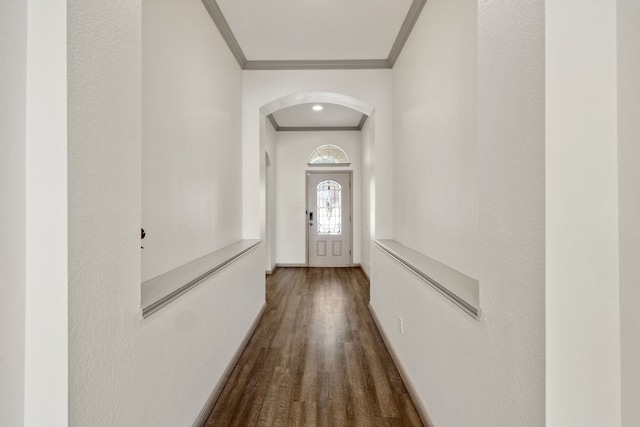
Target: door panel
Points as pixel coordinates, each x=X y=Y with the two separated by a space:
x=329 y=219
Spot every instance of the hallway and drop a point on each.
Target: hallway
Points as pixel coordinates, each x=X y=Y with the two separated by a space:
x=502 y=144
x=316 y=358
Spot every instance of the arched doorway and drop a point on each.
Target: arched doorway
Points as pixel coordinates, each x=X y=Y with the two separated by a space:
x=363 y=200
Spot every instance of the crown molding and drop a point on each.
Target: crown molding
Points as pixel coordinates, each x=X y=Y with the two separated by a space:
x=330 y=64
x=317 y=128
x=221 y=22
x=362 y=121
x=405 y=30
x=279 y=128
x=321 y=64
x=273 y=121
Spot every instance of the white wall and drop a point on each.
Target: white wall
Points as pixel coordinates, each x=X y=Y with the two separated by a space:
x=488 y=372
x=434 y=137
x=263 y=87
x=628 y=47
x=582 y=300
x=123 y=370
x=294 y=152
x=191 y=146
x=46 y=325
x=367 y=232
x=13 y=74
x=271 y=150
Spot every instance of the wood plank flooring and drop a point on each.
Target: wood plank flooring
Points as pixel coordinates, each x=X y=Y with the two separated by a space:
x=315 y=359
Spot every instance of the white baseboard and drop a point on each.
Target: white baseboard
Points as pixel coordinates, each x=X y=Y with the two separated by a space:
x=422 y=411
x=365 y=274
x=204 y=413
x=272 y=269
x=354 y=265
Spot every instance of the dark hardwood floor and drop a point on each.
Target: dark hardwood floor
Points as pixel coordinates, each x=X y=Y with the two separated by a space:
x=315 y=359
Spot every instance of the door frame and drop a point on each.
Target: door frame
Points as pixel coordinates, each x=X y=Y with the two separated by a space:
x=307 y=173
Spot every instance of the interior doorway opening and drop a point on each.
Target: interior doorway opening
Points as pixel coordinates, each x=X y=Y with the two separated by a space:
x=287 y=203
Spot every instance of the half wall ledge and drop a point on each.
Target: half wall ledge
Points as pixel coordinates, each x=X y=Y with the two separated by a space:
x=459 y=288
x=162 y=289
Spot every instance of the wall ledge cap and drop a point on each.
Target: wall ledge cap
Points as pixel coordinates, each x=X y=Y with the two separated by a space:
x=162 y=289
x=462 y=290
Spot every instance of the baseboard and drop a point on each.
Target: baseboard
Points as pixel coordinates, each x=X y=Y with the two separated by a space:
x=354 y=265
x=365 y=274
x=204 y=413
x=422 y=411
x=272 y=269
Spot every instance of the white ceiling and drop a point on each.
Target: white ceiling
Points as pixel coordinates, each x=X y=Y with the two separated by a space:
x=331 y=116
x=315 y=34
x=315 y=29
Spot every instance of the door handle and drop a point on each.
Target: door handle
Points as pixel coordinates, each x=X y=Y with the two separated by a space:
x=310 y=216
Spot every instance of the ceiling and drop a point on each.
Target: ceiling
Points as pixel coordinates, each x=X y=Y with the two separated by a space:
x=304 y=117
x=315 y=29
x=315 y=34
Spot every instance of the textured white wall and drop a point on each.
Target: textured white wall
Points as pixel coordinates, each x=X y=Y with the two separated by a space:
x=125 y=371
x=294 y=151
x=191 y=147
x=628 y=49
x=368 y=192
x=46 y=325
x=435 y=177
x=582 y=300
x=489 y=372
x=13 y=74
x=271 y=149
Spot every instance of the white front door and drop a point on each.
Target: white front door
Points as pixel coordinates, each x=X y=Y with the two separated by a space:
x=329 y=219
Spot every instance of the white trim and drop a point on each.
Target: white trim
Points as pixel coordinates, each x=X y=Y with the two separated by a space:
x=208 y=406
x=323 y=165
x=413 y=393
x=290 y=265
x=364 y=272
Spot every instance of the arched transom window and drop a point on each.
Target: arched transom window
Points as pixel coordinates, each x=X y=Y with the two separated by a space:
x=329 y=155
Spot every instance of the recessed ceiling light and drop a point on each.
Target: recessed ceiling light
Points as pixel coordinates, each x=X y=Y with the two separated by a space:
x=317 y=108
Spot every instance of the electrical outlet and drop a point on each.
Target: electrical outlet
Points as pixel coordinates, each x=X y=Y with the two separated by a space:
x=401 y=325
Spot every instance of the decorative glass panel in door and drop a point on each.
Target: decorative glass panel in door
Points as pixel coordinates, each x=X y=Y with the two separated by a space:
x=329 y=205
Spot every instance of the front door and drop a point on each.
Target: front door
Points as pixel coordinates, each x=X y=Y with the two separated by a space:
x=329 y=219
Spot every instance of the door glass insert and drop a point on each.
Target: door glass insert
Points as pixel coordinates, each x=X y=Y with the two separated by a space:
x=329 y=196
